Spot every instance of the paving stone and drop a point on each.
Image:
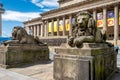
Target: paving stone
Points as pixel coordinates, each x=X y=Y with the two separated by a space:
x=8 y=75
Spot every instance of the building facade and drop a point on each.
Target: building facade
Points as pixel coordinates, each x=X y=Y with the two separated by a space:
x=105 y=12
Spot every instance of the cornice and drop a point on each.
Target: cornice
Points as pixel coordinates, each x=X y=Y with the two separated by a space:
x=60 y=1
x=67 y=7
x=76 y=8
x=33 y=20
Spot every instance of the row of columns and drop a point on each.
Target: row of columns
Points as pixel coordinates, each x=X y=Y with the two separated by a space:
x=42 y=30
x=46 y=25
x=37 y=30
x=116 y=21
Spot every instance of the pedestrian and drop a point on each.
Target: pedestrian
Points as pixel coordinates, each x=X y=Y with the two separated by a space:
x=30 y=31
x=116 y=48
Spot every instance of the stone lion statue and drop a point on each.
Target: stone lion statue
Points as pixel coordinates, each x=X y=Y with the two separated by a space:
x=20 y=36
x=85 y=30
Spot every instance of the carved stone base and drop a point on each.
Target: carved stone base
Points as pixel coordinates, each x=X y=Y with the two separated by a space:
x=18 y=54
x=92 y=62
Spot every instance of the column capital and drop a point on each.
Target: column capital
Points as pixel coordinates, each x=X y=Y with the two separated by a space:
x=70 y=14
x=116 y=4
x=63 y=16
x=58 y=17
x=94 y=9
x=104 y=7
x=46 y=21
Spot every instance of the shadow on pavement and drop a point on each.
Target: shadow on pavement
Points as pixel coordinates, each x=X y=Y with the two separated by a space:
x=116 y=76
x=33 y=64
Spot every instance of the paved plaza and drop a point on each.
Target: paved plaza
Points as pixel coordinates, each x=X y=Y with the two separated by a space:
x=39 y=71
x=9 y=75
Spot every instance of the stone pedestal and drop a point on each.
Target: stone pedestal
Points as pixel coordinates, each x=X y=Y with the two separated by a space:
x=18 y=54
x=93 y=61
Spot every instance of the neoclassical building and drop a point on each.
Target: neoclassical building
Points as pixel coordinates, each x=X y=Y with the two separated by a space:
x=56 y=25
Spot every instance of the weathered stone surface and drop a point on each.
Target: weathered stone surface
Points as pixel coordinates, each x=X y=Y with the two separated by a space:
x=93 y=61
x=14 y=54
x=85 y=30
x=53 y=41
x=20 y=36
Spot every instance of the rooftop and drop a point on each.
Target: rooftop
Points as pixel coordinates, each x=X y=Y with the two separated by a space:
x=34 y=19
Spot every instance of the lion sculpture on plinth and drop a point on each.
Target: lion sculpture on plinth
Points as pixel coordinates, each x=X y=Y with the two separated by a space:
x=85 y=30
x=20 y=36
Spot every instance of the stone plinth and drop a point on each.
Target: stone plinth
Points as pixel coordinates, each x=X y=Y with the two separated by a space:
x=18 y=54
x=93 y=61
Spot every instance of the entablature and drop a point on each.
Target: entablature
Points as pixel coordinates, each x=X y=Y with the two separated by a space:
x=92 y=4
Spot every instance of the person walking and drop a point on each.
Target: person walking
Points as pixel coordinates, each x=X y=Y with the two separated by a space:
x=30 y=31
x=116 y=48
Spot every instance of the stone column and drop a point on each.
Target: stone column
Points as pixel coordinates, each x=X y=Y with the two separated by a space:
x=116 y=24
x=34 y=30
x=46 y=28
x=31 y=29
x=47 y=25
x=95 y=14
x=42 y=29
x=52 y=28
x=58 y=27
x=105 y=18
x=70 y=28
x=38 y=30
x=64 y=28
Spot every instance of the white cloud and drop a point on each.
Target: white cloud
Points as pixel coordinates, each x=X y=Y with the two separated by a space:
x=46 y=9
x=19 y=16
x=5 y=34
x=47 y=3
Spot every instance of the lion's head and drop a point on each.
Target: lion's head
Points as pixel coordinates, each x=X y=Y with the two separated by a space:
x=14 y=33
x=18 y=32
x=82 y=18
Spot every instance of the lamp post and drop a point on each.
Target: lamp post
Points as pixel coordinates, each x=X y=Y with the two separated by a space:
x=1 y=12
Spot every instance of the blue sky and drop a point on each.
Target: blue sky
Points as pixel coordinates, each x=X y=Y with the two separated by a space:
x=18 y=11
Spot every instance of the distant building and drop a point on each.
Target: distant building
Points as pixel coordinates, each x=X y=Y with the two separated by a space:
x=57 y=23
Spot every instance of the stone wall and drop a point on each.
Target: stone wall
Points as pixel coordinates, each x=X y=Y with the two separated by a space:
x=70 y=2
x=54 y=41
x=91 y=62
x=11 y=56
